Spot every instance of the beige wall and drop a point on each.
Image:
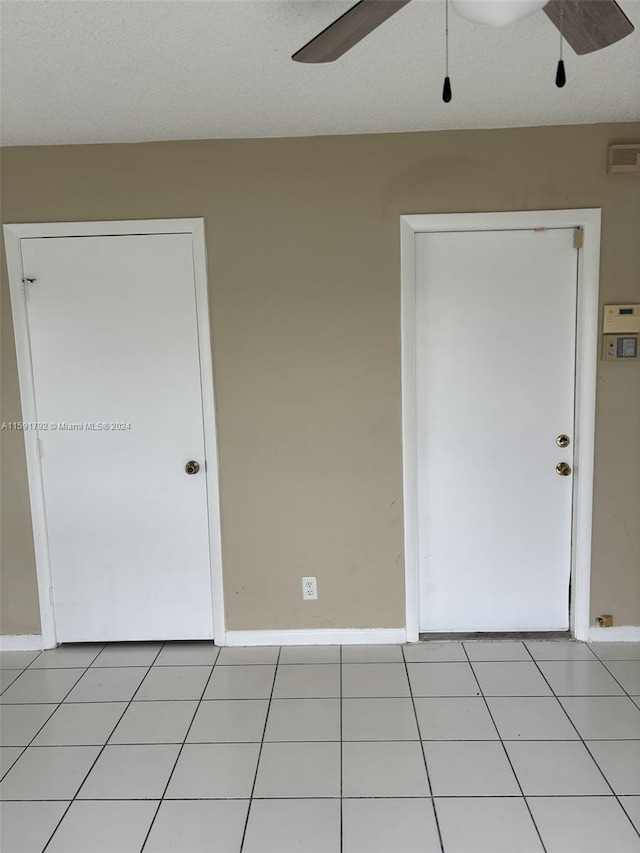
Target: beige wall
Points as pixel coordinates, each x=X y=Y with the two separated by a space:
x=303 y=242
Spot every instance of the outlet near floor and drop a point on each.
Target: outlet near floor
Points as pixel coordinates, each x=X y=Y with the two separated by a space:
x=309 y=589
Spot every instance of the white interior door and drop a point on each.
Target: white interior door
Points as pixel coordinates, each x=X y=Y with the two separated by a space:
x=495 y=332
x=114 y=340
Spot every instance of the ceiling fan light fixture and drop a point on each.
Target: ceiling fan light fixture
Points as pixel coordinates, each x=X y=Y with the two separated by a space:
x=496 y=13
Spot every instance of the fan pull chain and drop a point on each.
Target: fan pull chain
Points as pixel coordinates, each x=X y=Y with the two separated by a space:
x=446 y=89
x=561 y=77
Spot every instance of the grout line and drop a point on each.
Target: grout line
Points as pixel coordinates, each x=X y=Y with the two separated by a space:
x=324 y=797
x=424 y=755
x=350 y=740
x=508 y=757
x=311 y=698
x=182 y=746
x=341 y=760
x=604 y=661
x=264 y=731
x=584 y=743
x=32 y=668
x=100 y=751
x=613 y=675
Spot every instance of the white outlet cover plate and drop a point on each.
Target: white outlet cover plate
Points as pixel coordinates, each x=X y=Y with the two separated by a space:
x=309 y=589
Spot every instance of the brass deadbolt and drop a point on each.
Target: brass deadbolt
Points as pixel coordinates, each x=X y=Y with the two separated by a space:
x=563 y=469
x=563 y=440
x=192 y=467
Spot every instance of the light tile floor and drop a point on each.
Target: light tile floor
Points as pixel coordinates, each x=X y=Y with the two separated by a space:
x=475 y=747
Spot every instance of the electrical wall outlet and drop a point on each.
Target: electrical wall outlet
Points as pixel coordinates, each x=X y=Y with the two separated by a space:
x=309 y=589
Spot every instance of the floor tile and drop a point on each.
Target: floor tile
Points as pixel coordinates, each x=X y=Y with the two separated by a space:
x=468 y=769
x=128 y=654
x=559 y=650
x=372 y=654
x=555 y=769
x=310 y=654
x=215 y=771
x=26 y=827
x=496 y=650
x=130 y=773
x=378 y=719
x=374 y=680
x=194 y=826
x=487 y=825
x=619 y=760
x=229 y=720
x=530 y=718
x=154 y=722
x=584 y=825
x=17 y=660
x=173 y=682
x=103 y=827
x=240 y=682
x=308 y=681
x=7 y=677
x=299 y=770
x=104 y=685
x=187 y=653
x=617 y=651
x=48 y=773
x=64 y=657
x=251 y=655
x=381 y=826
x=384 y=769
x=579 y=678
x=43 y=685
x=8 y=757
x=87 y=724
x=442 y=679
x=511 y=679
x=603 y=716
x=632 y=807
x=293 y=826
x=626 y=673
x=455 y=718
x=303 y=719
x=19 y=723
x=430 y=651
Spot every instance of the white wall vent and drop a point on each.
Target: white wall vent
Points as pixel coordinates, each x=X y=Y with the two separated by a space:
x=624 y=159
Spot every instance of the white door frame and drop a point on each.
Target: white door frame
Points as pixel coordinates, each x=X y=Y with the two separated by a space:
x=586 y=362
x=13 y=234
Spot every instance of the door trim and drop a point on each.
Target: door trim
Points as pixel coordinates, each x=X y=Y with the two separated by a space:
x=586 y=362
x=13 y=234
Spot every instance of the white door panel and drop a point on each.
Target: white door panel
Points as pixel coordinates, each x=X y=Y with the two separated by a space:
x=114 y=339
x=495 y=325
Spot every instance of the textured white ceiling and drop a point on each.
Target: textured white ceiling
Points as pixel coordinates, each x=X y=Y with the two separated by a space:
x=78 y=71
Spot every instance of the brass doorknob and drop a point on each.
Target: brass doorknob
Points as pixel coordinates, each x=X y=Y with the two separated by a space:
x=192 y=467
x=563 y=469
x=563 y=440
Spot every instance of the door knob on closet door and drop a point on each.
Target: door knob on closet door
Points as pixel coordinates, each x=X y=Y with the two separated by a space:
x=562 y=469
x=192 y=467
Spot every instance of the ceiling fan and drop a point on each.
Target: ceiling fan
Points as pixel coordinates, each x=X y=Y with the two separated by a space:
x=587 y=25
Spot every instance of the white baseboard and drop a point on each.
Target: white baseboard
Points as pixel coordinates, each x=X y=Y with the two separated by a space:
x=623 y=634
x=20 y=643
x=321 y=637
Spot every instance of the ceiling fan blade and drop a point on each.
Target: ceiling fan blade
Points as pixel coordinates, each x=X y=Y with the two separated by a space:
x=350 y=28
x=589 y=25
